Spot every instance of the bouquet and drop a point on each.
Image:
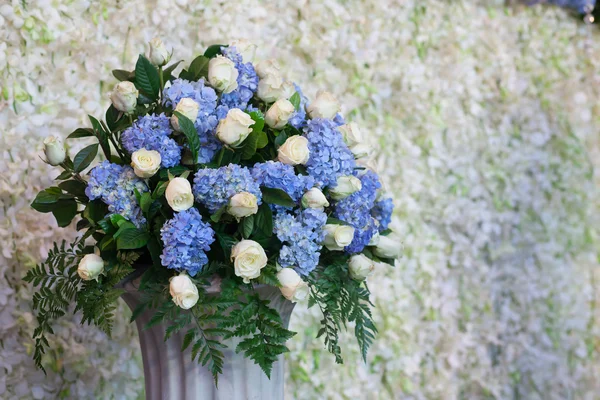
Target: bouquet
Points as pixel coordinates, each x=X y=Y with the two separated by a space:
x=224 y=174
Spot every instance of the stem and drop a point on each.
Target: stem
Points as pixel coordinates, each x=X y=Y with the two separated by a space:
x=161 y=79
x=73 y=174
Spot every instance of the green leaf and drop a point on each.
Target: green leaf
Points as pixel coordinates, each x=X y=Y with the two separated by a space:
x=123 y=75
x=216 y=217
x=263 y=220
x=117 y=220
x=64 y=212
x=263 y=140
x=160 y=189
x=249 y=148
x=259 y=121
x=191 y=134
x=248 y=226
x=277 y=196
x=146 y=77
x=335 y=221
x=132 y=239
x=168 y=72
x=80 y=133
x=175 y=171
x=214 y=50
x=95 y=211
x=295 y=100
x=198 y=68
x=84 y=158
x=146 y=201
x=47 y=196
x=280 y=139
x=76 y=188
x=226 y=242
x=112 y=117
x=63 y=175
x=101 y=135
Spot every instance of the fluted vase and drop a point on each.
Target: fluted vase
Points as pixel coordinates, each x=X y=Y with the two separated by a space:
x=170 y=374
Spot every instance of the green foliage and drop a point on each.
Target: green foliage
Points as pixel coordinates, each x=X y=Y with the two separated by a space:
x=62 y=205
x=58 y=286
x=277 y=196
x=214 y=50
x=101 y=135
x=341 y=300
x=191 y=135
x=295 y=100
x=197 y=69
x=85 y=157
x=146 y=78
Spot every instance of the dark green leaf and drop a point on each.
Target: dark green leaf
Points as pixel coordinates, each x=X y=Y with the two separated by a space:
x=248 y=226
x=335 y=221
x=226 y=242
x=64 y=212
x=47 y=196
x=249 y=148
x=175 y=171
x=191 y=134
x=146 y=77
x=63 y=175
x=277 y=196
x=168 y=72
x=263 y=140
x=295 y=100
x=263 y=220
x=216 y=217
x=146 y=202
x=132 y=239
x=81 y=132
x=76 y=188
x=160 y=189
x=117 y=220
x=102 y=136
x=84 y=158
x=123 y=75
x=198 y=68
x=112 y=117
x=82 y=224
x=95 y=211
x=214 y=50
x=280 y=139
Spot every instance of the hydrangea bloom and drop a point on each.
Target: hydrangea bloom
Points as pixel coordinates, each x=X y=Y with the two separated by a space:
x=301 y=235
x=356 y=210
x=382 y=212
x=582 y=6
x=247 y=81
x=276 y=175
x=151 y=132
x=298 y=118
x=115 y=185
x=329 y=155
x=208 y=114
x=214 y=187
x=186 y=239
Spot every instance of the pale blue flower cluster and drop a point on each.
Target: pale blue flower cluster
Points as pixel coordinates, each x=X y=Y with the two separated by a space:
x=151 y=132
x=298 y=118
x=582 y=6
x=382 y=212
x=356 y=210
x=247 y=81
x=208 y=114
x=276 y=175
x=301 y=235
x=115 y=185
x=329 y=155
x=214 y=187
x=186 y=239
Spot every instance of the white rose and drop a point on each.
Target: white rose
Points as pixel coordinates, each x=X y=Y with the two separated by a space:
x=351 y=134
x=54 y=150
x=324 y=106
x=235 y=127
x=292 y=287
x=158 y=54
x=222 y=74
x=337 y=236
x=314 y=198
x=183 y=291
x=124 y=97
x=188 y=108
x=90 y=267
x=246 y=48
x=360 y=266
x=361 y=150
x=179 y=194
x=287 y=90
x=345 y=186
x=387 y=248
x=242 y=205
x=294 y=151
x=270 y=88
x=279 y=113
x=374 y=241
x=248 y=259
x=145 y=163
x=266 y=68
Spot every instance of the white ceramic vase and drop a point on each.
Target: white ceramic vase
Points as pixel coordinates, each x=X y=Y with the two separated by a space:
x=170 y=374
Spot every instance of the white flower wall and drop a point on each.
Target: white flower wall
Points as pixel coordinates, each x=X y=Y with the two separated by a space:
x=487 y=118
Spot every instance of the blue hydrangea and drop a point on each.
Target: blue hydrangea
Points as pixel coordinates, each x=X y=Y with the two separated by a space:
x=208 y=114
x=582 y=6
x=356 y=210
x=247 y=81
x=276 y=175
x=382 y=212
x=186 y=239
x=214 y=187
x=329 y=158
x=301 y=235
x=115 y=185
x=298 y=118
x=151 y=132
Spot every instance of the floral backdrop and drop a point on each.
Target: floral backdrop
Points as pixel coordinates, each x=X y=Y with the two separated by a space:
x=487 y=117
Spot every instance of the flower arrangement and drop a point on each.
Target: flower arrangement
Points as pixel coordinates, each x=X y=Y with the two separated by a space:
x=228 y=174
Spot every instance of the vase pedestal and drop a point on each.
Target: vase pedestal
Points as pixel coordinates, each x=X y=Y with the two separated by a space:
x=170 y=374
